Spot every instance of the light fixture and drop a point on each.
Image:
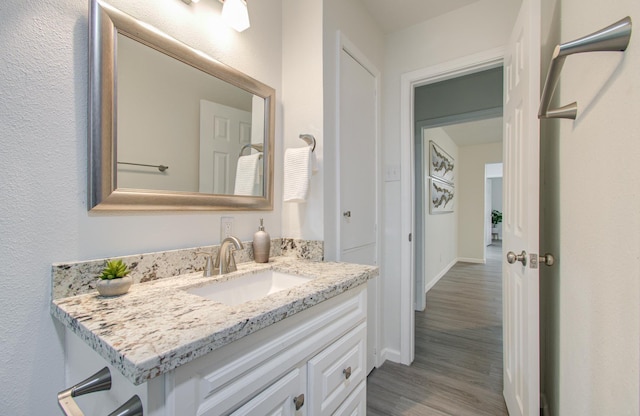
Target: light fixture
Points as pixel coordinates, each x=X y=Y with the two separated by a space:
x=235 y=14
x=190 y=1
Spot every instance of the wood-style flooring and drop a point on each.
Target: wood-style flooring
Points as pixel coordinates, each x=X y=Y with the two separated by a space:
x=458 y=353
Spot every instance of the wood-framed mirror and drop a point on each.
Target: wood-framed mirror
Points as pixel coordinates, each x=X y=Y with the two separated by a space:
x=171 y=128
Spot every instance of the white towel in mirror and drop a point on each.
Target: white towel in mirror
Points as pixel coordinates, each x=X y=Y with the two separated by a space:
x=297 y=173
x=248 y=175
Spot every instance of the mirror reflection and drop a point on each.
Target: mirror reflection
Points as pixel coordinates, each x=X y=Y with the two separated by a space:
x=181 y=129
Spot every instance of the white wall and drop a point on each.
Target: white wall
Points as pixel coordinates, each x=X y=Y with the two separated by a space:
x=440 y=230
x=302 y=98
x=594 y=338
x=43 y=212
x=471 y=183
x=481 y=26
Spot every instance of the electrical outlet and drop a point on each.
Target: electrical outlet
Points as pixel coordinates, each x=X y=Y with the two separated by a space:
x=226 y=227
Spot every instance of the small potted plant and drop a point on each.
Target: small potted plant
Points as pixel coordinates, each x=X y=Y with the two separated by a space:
x=496 y=218
x=114 y=279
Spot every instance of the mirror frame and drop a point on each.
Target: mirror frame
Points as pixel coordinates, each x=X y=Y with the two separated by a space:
x=105 y=22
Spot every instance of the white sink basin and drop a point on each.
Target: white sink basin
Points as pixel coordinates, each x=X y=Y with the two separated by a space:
x=248 y=287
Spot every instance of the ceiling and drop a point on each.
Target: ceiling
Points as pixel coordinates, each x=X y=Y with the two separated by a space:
x=475 y=132
x=393 y=15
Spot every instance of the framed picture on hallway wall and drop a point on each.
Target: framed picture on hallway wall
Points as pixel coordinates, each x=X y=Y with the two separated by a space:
x=441 y=197
x=441 y=165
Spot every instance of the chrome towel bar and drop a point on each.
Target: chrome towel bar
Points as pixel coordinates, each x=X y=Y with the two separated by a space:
x=133 y=407
x=161 y=168
x=311 y=141
x=97 y=382
x=612 y=38
x=256 y=146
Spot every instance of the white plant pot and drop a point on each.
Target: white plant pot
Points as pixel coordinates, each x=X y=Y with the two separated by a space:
x=114 y=287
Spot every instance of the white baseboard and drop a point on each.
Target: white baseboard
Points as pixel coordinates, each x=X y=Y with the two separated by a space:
x=440 y=275
x=389 y=354
x=471 y=260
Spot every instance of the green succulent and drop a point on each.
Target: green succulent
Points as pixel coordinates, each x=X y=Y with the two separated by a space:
x=115 y=269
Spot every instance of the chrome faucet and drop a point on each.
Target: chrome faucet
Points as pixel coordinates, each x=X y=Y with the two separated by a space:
x=225 y=262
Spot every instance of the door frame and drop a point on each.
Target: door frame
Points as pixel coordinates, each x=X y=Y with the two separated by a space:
x=343 y=43
x=481 y=61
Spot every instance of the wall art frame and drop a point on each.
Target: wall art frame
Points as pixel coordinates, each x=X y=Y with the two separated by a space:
x=441 y=197
x=441 y=164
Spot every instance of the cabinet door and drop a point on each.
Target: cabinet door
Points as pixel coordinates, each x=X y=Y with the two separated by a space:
x=336 y=371
x=279 y=399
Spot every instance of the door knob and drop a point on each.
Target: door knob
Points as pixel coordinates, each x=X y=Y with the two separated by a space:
x=513 y=257
x=547 y=259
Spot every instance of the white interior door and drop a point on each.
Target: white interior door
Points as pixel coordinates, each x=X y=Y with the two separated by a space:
x=358 y=179
x=223 y=132
x=520 y=231
x=357 y=158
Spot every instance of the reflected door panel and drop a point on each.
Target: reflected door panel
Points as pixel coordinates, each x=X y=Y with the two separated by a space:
x=223 y=132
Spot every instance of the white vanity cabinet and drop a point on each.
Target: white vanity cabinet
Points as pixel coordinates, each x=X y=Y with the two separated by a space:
x=312 y=363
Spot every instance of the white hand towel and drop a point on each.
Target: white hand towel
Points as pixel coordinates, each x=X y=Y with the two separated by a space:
x=314 y=163
x=247 y=174
x=297 y=172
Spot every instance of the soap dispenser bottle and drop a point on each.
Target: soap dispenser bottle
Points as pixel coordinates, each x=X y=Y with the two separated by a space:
x=261 y=244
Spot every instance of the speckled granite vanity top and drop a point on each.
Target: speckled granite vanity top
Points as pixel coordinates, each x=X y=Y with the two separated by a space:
x=158 y=326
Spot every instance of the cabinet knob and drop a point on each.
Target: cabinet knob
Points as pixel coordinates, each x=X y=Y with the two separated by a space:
x=299 y=401
x=347 y=372
x=346 y=214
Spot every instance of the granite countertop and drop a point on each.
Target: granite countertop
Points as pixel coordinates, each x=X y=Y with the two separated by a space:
x=158 y=326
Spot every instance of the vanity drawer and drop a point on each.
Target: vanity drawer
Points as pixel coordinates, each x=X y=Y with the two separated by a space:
x=278 y=399
x=337 y=371
x=356 y=403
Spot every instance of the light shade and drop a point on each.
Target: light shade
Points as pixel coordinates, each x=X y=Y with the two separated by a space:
x=235 y=14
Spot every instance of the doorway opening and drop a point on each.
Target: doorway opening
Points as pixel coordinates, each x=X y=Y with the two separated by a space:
x=493 y=203
x=410 y=195
x=458 y=129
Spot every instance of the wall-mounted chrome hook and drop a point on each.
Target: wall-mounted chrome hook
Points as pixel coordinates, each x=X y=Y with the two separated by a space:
x=612 y=38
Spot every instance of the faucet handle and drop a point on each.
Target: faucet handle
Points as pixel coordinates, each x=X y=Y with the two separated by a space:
x=231 y=261
x=208 y=265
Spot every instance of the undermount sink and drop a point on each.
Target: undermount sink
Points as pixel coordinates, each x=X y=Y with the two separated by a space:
x=248 y=287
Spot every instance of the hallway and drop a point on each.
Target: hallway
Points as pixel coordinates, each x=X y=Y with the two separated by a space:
x=458 y=355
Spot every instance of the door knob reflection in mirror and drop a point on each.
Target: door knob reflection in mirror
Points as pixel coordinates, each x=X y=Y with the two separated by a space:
x=513 y=257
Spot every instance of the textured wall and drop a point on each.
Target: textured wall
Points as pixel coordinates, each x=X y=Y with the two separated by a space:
x=302 y=95
x=43 y=213
x=597 y=324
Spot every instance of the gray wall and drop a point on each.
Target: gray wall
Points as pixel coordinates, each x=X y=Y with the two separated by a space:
x=477 y=94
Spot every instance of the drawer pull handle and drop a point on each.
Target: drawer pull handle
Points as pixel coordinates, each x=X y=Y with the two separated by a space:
x=347 y=372
x=299 y=401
